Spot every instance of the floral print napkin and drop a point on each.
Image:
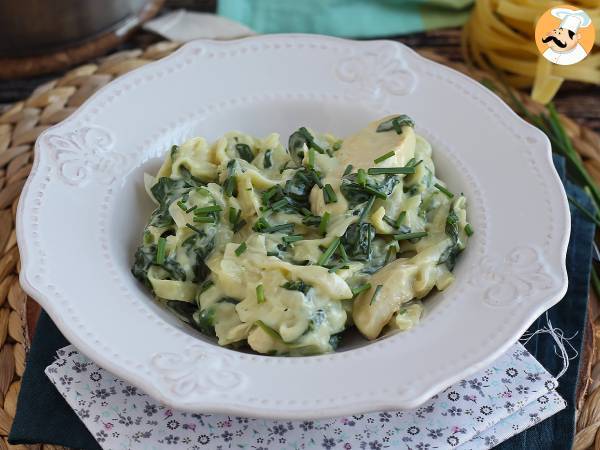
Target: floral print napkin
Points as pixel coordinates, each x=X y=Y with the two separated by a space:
x=515 y=393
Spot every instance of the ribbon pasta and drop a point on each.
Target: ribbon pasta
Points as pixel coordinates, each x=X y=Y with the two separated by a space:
x=283 y=249
x=500 y=34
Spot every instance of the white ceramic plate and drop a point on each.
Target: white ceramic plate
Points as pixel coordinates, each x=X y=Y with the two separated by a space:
x=84 y=206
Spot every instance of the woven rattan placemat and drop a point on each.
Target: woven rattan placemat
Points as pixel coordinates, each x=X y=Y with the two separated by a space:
x=52 y=102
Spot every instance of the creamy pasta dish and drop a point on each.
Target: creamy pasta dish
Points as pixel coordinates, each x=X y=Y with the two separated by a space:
x=283 y=247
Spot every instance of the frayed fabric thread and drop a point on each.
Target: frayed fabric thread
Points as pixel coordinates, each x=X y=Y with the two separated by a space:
x=562 y=344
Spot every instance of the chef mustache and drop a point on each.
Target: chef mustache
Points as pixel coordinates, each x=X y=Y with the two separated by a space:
x=558 y=42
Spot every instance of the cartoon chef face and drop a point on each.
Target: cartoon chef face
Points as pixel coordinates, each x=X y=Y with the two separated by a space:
x=566 y=37
x=561 y=39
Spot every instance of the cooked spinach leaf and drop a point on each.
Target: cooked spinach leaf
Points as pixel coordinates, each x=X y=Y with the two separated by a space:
x=296 y=143
x=356 y=191
x=396 y=123
x=166 y=191
x=357 y=241
x=449 y=255
x=205 y=321
x=174 y=269
x=233 y=301
x=144 y=257
x=298 y=285
x=189 y=179
x=452 y=225
x=299 y=187
x=267 y=159
x=183 y=310
x=198 y=247
x=245 y=152
x=334 y=340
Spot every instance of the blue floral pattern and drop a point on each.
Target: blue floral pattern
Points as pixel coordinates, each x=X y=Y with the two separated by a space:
x=475 y=413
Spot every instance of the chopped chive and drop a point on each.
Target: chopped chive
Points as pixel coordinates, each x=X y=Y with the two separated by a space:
x=241 y=249
x=400 y=219
x=384 y=157
x=282 y=228
x=443 y=190
x=301 y=176
x=349 y=168
x=315 y=178
x=390 y=170
x=208 y=209
x=293 y=238
x=311 y=158
x=272 y=253
x=192 y=227
x=415 y=235
x=260 y=294
x=337 y=145
x=329 y=195
x=267 y=159
x=375 y=192
x=204 y=219
x=328 y=252
x=229 y=186
x=366 y=210
x=376 y=293
x=342 y=251
x=361 y=177
x=329 y=152
x=268 y=330
x=189 y=210
x=233 y=214
x=324 y=222
x=469 y=229
x=312 y=221
x=280 y=203
x=261 y=224
x=181 y=205
x=160 y=250
x=266 y=196
x=338 y=267
x=357 y=290
x=310 y=140
x=239 y=225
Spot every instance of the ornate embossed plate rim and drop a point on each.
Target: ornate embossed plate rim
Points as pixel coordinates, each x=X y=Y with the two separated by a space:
x=409 y=398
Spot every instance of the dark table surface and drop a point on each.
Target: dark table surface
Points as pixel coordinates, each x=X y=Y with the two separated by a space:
x=579 y=101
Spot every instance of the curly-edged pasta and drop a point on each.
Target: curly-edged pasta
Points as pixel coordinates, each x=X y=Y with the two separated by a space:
x=284 y=248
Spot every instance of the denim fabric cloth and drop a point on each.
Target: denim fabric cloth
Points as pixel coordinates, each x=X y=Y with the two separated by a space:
x=44 y=416
x=570 y=315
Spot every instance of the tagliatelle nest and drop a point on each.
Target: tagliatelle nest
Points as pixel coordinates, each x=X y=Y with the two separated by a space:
x=500 y=35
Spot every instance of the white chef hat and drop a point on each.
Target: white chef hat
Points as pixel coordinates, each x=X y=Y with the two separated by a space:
x=572 y=20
